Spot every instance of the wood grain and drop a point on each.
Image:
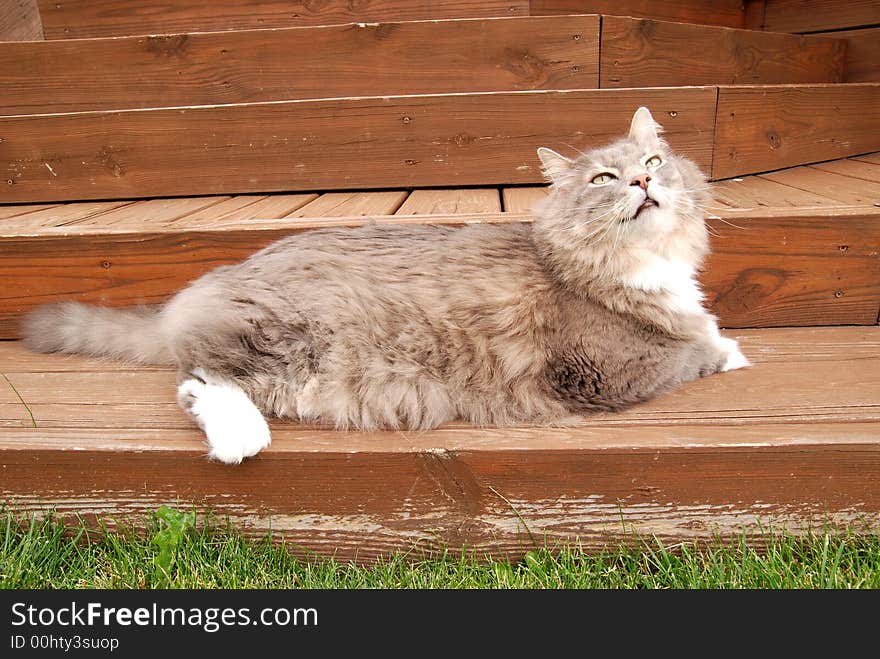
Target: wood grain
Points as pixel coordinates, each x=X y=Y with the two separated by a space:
x=706 y=12
x=521 y=200
x=819 y=15
x=853 y=168
x=792 y=441
x=351 y=204
x=112 y=18
x=769 y=267
x=844 y=189
x=753 y=192
x=411 y=141
x=454 y=202
x=862 y=54
x=20 y=21
x=765 y=128
x=377 y=59
x=648 y=53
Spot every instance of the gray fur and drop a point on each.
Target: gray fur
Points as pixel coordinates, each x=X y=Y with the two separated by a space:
x=413 y=326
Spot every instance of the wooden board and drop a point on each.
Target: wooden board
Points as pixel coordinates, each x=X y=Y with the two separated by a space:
x=853 y=168
x=844 y=189
x=706 y=12
x=20 y=20
x=453 y=202
x=869 y=157
x=111 y=18
x=754 y=192
x=647 y=53
x=792 y=441
x=521 y=200
x=770 y=267
x=377 y=59
x=862 y=54
x=819 y=15
x=410 y=141
x=351 y=204
x=765 y=128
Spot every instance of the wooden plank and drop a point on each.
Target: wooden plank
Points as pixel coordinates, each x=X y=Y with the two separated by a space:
x=647 y=53
x=760 y=129
x=819 y=15
x=728 y=13
x=352 y=204
x=112 y=18
x=862 y=54
x=266 y=207
x=451 y=202
x=852 y=168
x=873 y=158
x=17 y=210
x=770 y=267
x=704 y=463
x=754 y=191
x=377 y=59
x=836 y=186
x=521 y=200
x=20 y=20
x=66 y=214
x=447 y=140
x=106 y=396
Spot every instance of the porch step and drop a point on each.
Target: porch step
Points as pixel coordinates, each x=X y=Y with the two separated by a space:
x=792 y=442
x=387 y=59
x=794 y=247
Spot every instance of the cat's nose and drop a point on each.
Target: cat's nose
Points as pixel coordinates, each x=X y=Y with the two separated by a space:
x=641 y=181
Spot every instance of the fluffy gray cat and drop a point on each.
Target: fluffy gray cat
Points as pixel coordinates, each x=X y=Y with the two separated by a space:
x=592 y=307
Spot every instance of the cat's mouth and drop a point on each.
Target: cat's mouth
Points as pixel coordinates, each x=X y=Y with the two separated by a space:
x=648 y=203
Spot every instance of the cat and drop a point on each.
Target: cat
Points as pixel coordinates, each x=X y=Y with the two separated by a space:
x=592 y=307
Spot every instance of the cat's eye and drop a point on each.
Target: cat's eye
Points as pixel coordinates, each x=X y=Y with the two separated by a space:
x=603 y=179
x=654 y=161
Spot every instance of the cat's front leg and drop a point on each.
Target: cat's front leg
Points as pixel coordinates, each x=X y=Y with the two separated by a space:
x=731 y=357
x=234 y=427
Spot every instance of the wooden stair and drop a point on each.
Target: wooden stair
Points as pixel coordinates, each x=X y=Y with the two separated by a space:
x=121 y=193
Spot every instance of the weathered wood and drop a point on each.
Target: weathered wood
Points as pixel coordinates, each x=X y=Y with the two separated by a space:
x=819 y=15
x=112 y=18
x=408 y=141
x=766 y=128
x=862 y=54
x=647 y=53
x=852 y=168
x=769 y=267
x=521 y=200
x=869 y=157
x=728 y=13
x=792 y=441
x=453 y=202
x=20 y=21
x=381 y=59
x=753 y=192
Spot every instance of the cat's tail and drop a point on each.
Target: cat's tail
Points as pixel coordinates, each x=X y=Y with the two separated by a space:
x=72 y=327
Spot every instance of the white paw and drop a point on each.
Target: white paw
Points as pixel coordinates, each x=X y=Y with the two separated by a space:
x=234 y=427
x=735 y=359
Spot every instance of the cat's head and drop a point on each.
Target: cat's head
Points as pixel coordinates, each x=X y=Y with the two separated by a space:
x=634 y=192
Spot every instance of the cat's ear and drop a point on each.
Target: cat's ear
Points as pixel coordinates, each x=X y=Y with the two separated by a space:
x=557 y=168
x=643 y=129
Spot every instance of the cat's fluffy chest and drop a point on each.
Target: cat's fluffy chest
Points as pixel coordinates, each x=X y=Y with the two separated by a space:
x=671 y=278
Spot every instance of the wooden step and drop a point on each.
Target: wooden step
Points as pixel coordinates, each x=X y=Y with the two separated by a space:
x=792 y=248
x=793 y=442
x=113 y=18
x=376 y=59
x=385 y=59
x=448 y=140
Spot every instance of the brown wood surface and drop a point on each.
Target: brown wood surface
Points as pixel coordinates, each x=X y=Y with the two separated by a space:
x=408 y=141
x=728 y=13
x=853 y=168
x=792 y=441
x=20 y=21
x=521 y=200
x=766 y=128
x=844 y=189
x=453 y=202
x=769 y=267
x=300 y=63
x=647 y=53
x=819 y=15
x=351 y=204
x=112 y=18
x=873 y=158
x=754 y=191
x=862 y=54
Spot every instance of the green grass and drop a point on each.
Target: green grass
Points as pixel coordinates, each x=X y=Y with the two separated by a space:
x=175 y=552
